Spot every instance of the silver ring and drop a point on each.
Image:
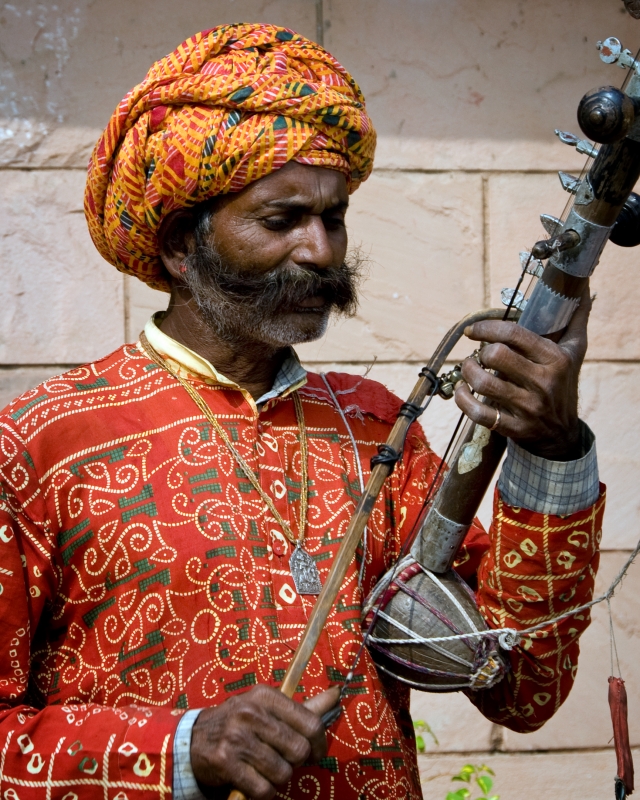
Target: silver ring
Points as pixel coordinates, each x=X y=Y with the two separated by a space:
x=497 y=422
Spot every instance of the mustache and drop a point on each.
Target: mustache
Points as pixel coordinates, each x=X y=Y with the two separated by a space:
x=280 y=290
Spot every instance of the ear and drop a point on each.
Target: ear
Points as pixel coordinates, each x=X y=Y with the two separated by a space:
x=176 y=240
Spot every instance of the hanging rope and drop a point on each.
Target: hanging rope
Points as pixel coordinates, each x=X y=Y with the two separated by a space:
x=508 y=638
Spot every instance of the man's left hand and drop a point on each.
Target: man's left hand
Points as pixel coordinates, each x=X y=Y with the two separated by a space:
x=536 y=388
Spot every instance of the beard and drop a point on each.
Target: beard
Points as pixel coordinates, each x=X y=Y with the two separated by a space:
x=244 y=307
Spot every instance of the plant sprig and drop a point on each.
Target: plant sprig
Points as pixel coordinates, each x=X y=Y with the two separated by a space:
x=481 y=775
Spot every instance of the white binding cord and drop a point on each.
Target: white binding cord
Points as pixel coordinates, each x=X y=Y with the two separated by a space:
x=343 y=416
x=508 y=638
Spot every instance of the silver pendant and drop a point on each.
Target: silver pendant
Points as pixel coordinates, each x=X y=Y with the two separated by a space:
x=304 y=572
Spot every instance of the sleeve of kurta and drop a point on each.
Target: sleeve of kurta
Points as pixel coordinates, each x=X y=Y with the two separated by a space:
x=49 y=747
x=531 y=567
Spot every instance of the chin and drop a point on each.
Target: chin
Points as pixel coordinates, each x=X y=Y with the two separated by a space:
x=294 y=329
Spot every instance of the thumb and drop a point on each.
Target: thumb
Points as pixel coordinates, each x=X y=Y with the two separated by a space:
x=323 y=702
x=575 y=337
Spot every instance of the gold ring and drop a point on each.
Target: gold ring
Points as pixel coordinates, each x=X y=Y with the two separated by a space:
x=497 y=422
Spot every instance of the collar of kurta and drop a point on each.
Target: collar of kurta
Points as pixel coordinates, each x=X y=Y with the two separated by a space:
x=188 y=364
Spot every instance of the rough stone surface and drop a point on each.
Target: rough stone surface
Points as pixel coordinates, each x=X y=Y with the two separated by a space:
x=141 y=302
x=14 y=381
x=485 y=96
x=62 y=303
x=585 y=775
x=459 y=69
x=70 y=62
x=609 y=404
x=422 y=235
x=515 y=203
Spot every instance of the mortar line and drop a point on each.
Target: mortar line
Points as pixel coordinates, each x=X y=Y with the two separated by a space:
x=510 y=753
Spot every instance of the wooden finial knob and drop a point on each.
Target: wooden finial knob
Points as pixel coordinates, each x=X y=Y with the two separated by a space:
x=606 y=114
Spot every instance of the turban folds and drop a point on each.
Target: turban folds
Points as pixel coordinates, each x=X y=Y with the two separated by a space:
x=227 y=107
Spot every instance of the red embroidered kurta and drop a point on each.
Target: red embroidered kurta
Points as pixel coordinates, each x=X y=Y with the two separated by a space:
x=142 y=575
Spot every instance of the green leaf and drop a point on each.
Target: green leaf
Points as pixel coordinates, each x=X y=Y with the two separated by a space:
x=485 y=783
x=485 y=768
x=461 y=794
x=465 y=774
x=420 y=744
x=419 y=723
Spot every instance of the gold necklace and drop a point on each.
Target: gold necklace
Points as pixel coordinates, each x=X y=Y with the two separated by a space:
x=303 y=568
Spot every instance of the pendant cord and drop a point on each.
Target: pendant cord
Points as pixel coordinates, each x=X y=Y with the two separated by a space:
x=152 y=353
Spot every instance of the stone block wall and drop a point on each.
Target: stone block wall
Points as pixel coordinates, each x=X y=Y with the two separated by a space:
x=465 y=96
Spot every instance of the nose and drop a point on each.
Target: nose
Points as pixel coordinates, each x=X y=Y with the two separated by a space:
x=315 y=248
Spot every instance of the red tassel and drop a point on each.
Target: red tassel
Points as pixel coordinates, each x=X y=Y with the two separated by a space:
x=619 y=716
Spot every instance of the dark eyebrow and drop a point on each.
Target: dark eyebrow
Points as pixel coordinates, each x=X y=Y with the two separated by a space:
x=299 y=205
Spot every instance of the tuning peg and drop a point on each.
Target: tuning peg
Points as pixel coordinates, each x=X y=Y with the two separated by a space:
x=569 y=183
x=557 y=244
x=610 y=49
x=550 y=224
x=581 y=145
x=513 y=298
x=531 y=265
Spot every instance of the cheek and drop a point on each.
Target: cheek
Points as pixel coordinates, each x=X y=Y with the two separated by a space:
x=250 y=246
x=339 y=243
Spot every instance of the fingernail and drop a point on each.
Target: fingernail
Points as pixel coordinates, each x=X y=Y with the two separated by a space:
x=468 y=330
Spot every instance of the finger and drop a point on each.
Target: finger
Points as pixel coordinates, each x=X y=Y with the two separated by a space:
x=247 y=766
x=269 y=763
x=319 y=705
x=296 y=715
x=575 y=337
x=323 y=702
x=251 y=783
x=506 y=388
x=478 y=412
x=291 y=745
x=258 y=771
x=529 y=344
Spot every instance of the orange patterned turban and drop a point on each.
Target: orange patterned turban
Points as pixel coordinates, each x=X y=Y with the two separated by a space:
x=226 y=108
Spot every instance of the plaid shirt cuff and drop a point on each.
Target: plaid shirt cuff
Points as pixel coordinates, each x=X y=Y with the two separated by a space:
x=185 y=786
x=550 y=487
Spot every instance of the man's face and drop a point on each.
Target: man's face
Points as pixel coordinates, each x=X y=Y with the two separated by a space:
x=269 y=265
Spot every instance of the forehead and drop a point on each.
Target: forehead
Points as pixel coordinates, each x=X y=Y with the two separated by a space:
x=316 y=188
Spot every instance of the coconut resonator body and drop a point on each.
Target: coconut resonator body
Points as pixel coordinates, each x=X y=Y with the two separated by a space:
x=423 y=629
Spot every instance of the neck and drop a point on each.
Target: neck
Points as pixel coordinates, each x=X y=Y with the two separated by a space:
x=252 y=365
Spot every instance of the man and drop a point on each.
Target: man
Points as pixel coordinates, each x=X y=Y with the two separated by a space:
x=152 y=501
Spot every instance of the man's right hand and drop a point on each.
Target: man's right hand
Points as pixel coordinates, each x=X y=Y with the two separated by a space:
x=253 y=741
